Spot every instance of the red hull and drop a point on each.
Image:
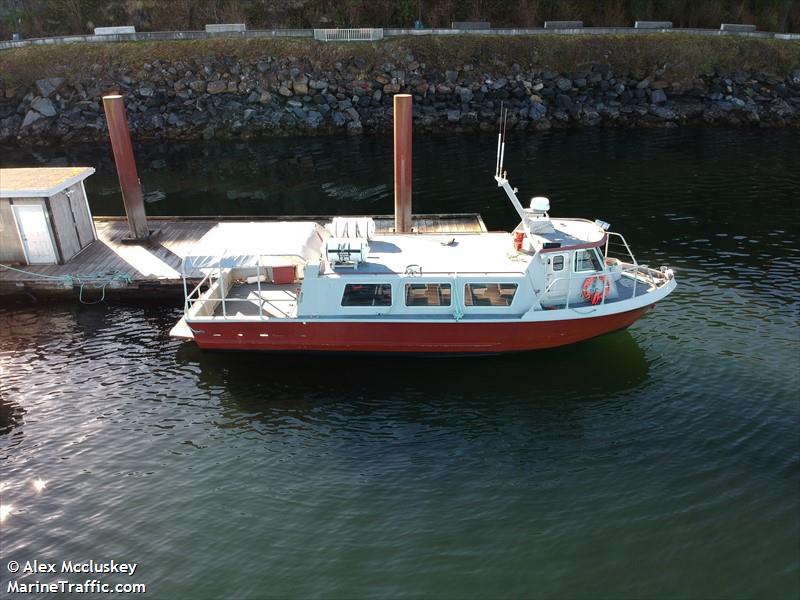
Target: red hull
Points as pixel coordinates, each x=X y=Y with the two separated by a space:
x=460 y=337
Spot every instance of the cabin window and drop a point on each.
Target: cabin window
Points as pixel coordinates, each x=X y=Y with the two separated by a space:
x=489 y=294
x=586 y=260
x=427 y=294
x=557 y=263
x=369 y=294
x=600 y=258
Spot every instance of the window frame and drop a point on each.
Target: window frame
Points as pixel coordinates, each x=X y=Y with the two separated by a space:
x=375 y=296
x=441 y=285
x=468 y=294
x=595 y=260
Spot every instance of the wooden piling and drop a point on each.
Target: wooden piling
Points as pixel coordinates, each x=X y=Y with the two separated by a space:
x=126 y=166
x=402 y=162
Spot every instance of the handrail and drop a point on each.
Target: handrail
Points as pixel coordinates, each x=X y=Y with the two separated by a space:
x=634 y=270
x=261 y=301
x=197 y=287
x=624 y=242
x=187 y=301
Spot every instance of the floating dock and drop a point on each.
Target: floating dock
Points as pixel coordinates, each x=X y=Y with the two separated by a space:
x=111 y=267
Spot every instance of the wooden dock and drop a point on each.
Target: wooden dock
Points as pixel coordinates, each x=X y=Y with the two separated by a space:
x=113 y=269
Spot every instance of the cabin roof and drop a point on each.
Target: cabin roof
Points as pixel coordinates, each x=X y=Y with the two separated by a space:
x=40 y=182
x=462 y=253
x=469 y=253
x=570 y=234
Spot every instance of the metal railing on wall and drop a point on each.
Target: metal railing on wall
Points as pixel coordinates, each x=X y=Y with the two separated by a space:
x=348 y=35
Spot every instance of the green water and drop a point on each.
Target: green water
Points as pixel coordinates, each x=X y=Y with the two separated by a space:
x=660 y=462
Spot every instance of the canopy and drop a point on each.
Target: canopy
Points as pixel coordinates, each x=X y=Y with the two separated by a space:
x=230 y=245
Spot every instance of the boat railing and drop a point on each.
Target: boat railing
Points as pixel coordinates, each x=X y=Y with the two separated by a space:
x=226 y=306
x=190 y=298
x=615 y=243
x=200 y=296
x=639 y=273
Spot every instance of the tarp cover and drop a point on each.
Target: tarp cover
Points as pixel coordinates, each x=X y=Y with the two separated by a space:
x=230 y=245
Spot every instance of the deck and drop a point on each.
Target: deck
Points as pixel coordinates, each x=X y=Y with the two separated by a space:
x=138 y=271
x=275 y=301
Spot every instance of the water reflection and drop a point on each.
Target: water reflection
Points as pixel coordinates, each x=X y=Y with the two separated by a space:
x=260 y=384
x=11 y=414
x=658 y=187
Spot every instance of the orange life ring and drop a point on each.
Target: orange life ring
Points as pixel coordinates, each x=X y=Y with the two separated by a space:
x=594 y=293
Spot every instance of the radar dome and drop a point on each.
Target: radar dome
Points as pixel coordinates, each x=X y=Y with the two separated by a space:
x=540 y=204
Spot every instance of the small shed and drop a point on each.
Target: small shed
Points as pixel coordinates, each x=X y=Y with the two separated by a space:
x=44 y=215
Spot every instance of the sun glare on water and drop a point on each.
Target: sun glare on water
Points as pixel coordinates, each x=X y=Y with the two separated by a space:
x=5 y=510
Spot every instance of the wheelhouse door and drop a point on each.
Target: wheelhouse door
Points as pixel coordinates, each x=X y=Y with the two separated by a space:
x=35 y=234
x=557 y=271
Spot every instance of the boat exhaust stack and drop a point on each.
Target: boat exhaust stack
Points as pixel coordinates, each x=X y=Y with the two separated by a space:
x=129 y=183
x=402 y=162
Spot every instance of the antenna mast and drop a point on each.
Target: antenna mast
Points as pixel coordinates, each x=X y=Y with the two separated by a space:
x=500 y=174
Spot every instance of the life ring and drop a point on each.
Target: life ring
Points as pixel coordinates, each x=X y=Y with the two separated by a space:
x=592 y=292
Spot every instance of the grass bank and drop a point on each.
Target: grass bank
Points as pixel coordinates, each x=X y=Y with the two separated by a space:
x=39 y=18
x=683 y=55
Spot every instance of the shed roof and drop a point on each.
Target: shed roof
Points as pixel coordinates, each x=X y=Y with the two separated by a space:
x=38 y=182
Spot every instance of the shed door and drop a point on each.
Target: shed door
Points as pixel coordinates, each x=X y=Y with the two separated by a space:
x=35 y=234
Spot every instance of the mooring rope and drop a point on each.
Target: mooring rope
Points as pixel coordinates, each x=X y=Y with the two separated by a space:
x=99 y=280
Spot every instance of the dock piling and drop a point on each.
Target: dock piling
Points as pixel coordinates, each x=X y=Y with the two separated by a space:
x=402 y=162
x=130 y=185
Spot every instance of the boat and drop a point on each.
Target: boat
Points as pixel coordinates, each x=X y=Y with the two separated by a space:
x=308 y=286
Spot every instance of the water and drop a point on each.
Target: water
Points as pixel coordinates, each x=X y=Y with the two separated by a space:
x=663 y=461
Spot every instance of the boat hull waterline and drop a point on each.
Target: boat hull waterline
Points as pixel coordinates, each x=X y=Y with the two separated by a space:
x=456 y=337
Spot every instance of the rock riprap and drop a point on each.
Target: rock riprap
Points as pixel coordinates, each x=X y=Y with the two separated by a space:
x=225 y=97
